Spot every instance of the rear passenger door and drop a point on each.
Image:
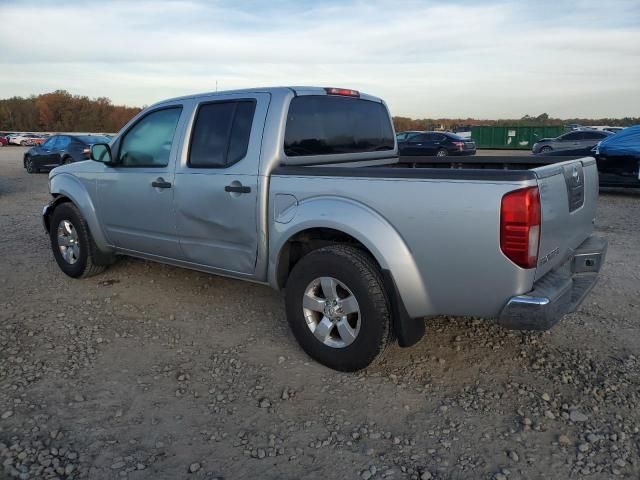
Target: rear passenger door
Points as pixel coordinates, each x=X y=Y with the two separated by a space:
x=570 y=141
x=417 y=145
x=216 y=183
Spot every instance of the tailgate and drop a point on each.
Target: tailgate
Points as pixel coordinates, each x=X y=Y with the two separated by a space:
x=568 y=199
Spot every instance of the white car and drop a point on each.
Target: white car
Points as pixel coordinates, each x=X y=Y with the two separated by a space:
x=23 y=139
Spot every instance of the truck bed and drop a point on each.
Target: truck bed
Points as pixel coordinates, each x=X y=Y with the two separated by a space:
x=447 y=213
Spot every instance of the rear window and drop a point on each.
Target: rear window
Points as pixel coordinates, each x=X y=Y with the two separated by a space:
x=326 y=125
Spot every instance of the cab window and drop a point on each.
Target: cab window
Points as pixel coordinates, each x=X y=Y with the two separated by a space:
x=148 y=142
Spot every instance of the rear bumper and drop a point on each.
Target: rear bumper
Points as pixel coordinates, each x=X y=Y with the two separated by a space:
x=559 y=292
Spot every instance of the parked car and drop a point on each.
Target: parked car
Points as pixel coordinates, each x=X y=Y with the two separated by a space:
x=618 y=159
x=25 y=139
x=577 y=142
x=60 y=149
x=463 y=131
x=402 y=136
x=3 y=141
x=613 y=129
x=439 y=144
x=245 y=184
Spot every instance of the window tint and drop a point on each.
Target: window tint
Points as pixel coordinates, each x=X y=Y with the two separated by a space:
x=594 y=135
x=221 y=134
x=49 y=143
x=62 y=143
x=422 y=137
x=325 y=125
x=148 y=143
x=572 y=136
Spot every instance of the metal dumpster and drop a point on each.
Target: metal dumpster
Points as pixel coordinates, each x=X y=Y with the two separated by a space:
x=513 y=137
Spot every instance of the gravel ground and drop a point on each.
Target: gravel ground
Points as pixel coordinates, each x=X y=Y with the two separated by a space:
x=152 y=372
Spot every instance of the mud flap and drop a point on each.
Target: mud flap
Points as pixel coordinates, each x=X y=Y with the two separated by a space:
x=408 y=331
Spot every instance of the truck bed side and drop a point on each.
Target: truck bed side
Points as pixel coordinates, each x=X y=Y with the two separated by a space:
x=447 y=219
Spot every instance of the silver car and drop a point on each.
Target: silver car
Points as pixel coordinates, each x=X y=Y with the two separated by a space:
x=577 y=142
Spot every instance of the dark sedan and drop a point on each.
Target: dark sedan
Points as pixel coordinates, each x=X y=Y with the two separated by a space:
x=436 y=144
x=618 y=159
x=60 y=149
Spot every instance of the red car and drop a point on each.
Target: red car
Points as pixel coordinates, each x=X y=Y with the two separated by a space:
x=3 y=141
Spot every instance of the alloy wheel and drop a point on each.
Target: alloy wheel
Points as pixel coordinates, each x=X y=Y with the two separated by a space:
x=331 y=312
x=68 y=242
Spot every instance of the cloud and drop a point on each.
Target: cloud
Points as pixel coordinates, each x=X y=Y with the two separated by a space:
x=489 y=59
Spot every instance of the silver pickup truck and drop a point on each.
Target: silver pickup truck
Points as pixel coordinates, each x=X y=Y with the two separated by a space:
x=302 y=188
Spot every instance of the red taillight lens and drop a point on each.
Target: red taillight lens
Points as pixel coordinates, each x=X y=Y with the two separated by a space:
x=460 y=145
x=520 y=226
x=345 y=92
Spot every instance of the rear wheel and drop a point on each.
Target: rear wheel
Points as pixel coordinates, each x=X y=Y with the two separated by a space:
x=545 y=149
x=442 y=153
x=24 y=143
x=72 y=244
x=66 y=160
x=337 y=307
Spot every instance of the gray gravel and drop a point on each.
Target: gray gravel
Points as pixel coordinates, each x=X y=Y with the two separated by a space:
x=152 y=372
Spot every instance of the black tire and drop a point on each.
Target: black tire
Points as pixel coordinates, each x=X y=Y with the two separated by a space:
x=85 y=265
x=66 y=161
x=442 y=153
x=359 y=272
x=24 y=143
x=28 y=165
x=545 y=149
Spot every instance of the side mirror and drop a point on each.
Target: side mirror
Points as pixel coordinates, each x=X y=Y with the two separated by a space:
x=101 y=152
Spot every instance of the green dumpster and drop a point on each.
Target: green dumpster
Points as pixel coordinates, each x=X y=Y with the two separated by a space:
x=513 y=137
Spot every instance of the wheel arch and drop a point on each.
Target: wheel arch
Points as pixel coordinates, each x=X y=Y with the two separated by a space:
x=322 y=220
x=67 y=188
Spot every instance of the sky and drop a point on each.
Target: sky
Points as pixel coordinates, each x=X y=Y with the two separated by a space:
x=427 y=59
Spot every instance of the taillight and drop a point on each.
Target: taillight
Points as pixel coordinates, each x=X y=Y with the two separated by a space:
x=345 y=92
x=520 y=226
x=460 y=145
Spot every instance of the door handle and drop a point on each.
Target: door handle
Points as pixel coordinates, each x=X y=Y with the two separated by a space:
x=237 y=189
x=160 y=183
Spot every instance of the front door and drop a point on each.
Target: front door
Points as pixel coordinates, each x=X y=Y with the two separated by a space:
x=216 y=183
x=135 y=196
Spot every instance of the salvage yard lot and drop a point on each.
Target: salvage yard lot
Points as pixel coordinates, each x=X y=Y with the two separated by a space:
x=150 y=372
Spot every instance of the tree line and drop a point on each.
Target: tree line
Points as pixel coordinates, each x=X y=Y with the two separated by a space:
x=61 y=111
x=405 y=123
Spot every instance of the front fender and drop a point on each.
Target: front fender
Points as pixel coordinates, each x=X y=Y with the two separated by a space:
x=367 y=226
x=65 y=185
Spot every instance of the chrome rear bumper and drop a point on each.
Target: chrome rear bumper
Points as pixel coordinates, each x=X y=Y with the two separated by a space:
x=559 y=292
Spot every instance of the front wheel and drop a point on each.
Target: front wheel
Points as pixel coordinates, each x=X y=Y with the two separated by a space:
x=72 y=244
x=337 y=307
x=29 y=166
x=545 y=149
x=442 y=153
